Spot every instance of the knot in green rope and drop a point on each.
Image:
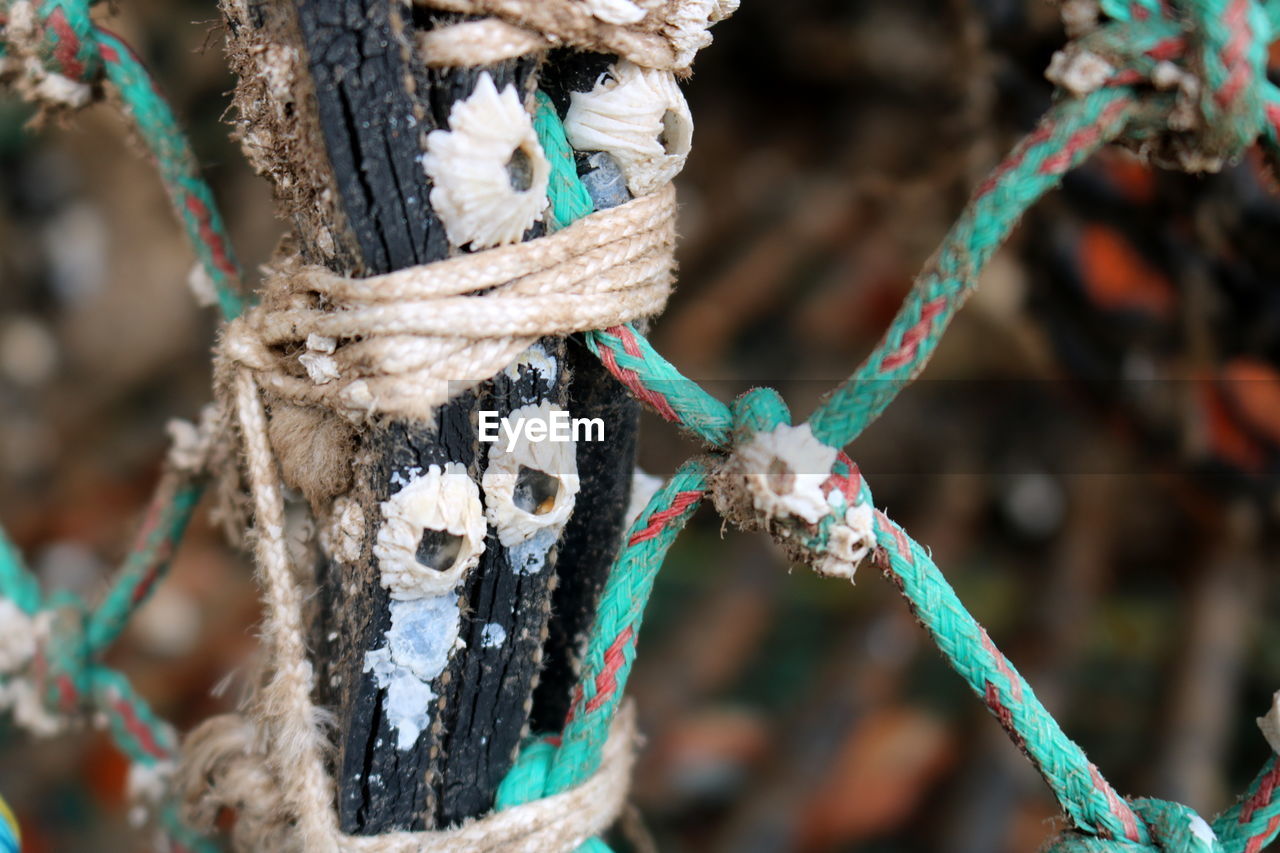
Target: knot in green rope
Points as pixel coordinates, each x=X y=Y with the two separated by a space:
x=1197 y=67
x=1173 y=827
x=59 y=34
x=805 y=493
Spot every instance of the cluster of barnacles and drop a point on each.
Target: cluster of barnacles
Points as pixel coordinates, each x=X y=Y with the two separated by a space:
x=806 y=494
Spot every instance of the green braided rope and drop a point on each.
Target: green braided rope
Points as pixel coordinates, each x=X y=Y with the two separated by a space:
x=653 y=376
x=611 y=649
x=1071 y=131
x=148 y=560
x=1064 y=766
x=188 y=192
x=569 y=198
x=1236 y=112
x=73 y=46
x=1067 y=136
x=1255 y=817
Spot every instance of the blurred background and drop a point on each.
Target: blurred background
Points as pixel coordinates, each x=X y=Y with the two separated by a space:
x=1093 y=456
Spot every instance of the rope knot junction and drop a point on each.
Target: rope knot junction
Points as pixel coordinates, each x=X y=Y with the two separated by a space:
x=1197 y=69
x=780 y=478
x=55 y=50
x=1172 y=827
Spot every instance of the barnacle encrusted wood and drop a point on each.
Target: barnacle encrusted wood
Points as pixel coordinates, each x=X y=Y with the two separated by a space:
x=428 y=629
x=280 y=137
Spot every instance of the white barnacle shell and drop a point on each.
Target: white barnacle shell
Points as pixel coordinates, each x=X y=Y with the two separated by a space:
x=784 y=470
x=488 y=171
x=637 y=115
x=615 y=11
x=850 y=540
x=545 y=473
x=446 y=501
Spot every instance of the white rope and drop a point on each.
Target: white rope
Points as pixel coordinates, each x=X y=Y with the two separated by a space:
x=403 y=343
x=659 y=34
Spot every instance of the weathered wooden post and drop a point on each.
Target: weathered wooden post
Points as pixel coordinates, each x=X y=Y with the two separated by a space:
x=335 y=105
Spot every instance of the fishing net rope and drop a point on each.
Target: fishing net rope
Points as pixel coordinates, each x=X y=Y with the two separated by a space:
x=1182 y=82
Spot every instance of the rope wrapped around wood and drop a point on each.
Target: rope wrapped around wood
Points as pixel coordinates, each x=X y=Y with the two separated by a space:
x=402 y=344
x=661 y=34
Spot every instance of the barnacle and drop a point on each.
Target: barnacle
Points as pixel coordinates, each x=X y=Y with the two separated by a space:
x=488 y=172
x=637 y=115
x=532 y=486
x=432 y=533
x=615 y=11
x=784 y=470
x=849 y=541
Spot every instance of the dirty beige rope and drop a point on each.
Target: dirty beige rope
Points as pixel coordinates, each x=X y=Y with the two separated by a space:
x=399 y=344
x=661 y=34
x=273 y=767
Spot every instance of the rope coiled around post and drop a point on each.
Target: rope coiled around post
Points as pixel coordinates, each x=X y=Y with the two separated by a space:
x=403 y=343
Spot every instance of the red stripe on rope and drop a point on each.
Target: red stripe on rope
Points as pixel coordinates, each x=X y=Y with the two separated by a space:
x=66 y=693
x=163 y=551
x=906 y=351
x=574 y=704
x=1127 y=77
x=1261 y=797
x=614 y=657
x=140 y=731
x=1002 y=664
x=1256 y=842
x=1233 y=55
x=899 y=539
x=1118 y=806
x=991 y=696
x=659 y=519
x=143 y=589
x=1082 y=140
x=849 y=484
x=632 y=380
x=68 y=45
x=210 y=237
x=1170 y=48
x=1039 y=135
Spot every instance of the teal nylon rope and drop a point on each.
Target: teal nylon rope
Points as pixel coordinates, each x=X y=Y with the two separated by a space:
x=1102 y=820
